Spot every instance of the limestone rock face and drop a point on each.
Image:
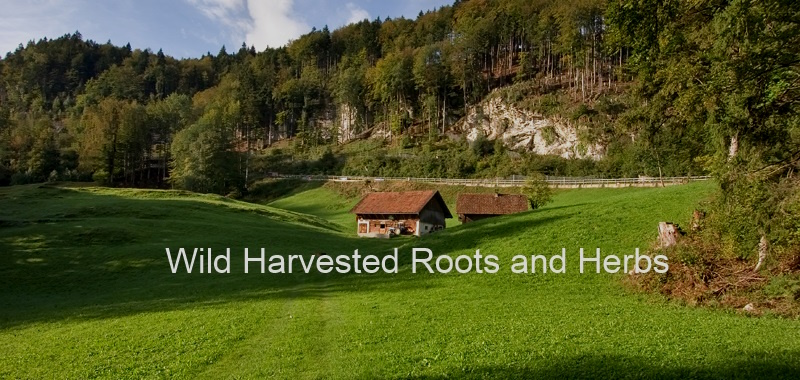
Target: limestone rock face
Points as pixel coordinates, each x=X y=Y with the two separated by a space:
x=347 y=123
x=522 y=130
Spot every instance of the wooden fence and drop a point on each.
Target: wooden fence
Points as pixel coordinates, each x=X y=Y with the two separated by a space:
x=555 y=182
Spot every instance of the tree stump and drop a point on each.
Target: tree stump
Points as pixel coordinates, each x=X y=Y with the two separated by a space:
x=667 y=234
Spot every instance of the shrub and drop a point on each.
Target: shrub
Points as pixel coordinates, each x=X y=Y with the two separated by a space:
x=537 y=191
x=481 y=146
x=581 y=111
x=100 y=176
x=5 y=175
x=23 y=178
x=549 y=134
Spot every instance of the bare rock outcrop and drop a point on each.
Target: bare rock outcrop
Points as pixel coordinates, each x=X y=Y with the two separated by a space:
x=522 y=130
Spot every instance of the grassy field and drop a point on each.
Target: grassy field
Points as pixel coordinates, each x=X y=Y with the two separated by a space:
x=86 y=291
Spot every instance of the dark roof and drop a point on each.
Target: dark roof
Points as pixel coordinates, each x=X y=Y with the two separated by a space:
x=407 y=202
x=491 y=204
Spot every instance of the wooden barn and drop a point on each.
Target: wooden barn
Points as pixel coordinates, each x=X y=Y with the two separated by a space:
x=472 y=207
x=401 y=213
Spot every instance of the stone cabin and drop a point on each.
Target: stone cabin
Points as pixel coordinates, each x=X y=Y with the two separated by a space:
x=401 y=213
x=473 y=207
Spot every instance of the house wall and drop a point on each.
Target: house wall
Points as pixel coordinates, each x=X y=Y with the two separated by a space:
x=434 y=217
x=383 y=225
x=430 y=219
x=426 y=228
x=433 y=214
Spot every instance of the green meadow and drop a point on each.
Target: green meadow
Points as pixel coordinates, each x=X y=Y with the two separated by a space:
x=86 y=291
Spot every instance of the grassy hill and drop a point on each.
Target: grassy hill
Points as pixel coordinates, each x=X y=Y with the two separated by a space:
x=86 y=291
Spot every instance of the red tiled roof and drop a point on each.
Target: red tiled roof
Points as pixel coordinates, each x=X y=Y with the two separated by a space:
x=491 y=204
x=407 y=202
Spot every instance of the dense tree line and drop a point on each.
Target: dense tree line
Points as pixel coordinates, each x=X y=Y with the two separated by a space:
x=74 y=109
x=730 y=72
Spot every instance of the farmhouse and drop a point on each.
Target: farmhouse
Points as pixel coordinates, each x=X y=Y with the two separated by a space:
x=472 y=207
x=401 y=213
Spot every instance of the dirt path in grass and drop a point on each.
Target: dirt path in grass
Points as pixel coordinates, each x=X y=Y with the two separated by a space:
x=291 y=340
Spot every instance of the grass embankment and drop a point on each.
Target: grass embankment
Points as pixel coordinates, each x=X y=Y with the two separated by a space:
x=86 y=291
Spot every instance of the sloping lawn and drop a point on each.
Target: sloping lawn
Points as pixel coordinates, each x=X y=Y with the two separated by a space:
x=86 y=291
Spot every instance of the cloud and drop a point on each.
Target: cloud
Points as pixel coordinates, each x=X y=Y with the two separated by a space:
x=357 y=14
x=256 y=22
x=217 y=9
x=231 y=14
x=273 y=23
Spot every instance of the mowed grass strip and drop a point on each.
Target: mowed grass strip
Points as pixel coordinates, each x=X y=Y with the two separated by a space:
x=104 y=303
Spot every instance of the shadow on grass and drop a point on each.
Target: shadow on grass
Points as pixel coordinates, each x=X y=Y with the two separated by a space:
x=740 y=365
x=268 y=190
x=83 y=254
x=470 y=236
x=35 y=293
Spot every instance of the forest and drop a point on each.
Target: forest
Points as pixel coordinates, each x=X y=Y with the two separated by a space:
x=670 y=88
x=76 y=109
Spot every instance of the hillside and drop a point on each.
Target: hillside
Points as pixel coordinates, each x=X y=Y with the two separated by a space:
x=115 y=158
x=86 y=290
x=73 y=109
